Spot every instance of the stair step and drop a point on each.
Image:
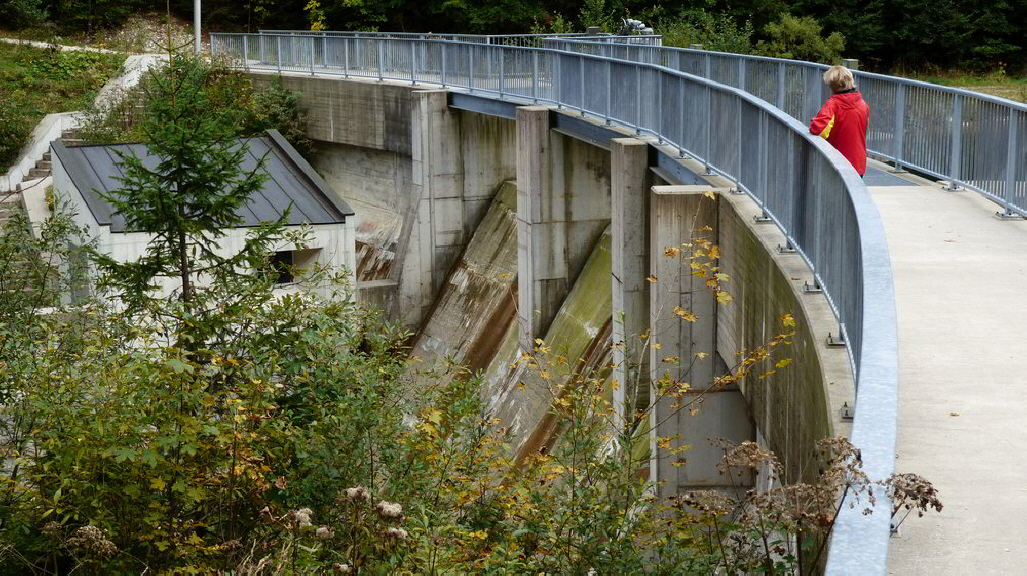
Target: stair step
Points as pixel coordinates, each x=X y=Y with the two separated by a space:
x=47 y=157
x=44 y=164
x=73 y=141
x=37 y=173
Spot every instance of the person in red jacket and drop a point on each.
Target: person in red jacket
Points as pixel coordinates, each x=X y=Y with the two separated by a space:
x=842 y=120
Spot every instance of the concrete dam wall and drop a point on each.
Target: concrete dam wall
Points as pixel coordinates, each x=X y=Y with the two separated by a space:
x=484 y=232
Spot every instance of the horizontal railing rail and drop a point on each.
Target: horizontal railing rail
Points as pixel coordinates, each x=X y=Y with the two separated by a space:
x=968 y=138
x=527 y=40
x=803 y=185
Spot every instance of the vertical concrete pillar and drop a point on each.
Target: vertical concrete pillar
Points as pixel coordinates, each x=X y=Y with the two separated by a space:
x=542 y=271
x=630 y=181
x=437 y=233
x=686 y=351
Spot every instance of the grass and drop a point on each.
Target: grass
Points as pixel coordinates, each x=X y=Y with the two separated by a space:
x=35 y=82
x=995 y=84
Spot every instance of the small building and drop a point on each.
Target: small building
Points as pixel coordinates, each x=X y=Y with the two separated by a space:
x=82 y=173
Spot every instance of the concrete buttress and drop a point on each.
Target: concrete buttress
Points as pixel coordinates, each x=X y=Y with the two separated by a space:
x=542 y=273
x=437 y=235
x=630 y=180
x=683 y=351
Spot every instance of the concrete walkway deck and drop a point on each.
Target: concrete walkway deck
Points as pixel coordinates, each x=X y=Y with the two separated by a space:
x=961 y=295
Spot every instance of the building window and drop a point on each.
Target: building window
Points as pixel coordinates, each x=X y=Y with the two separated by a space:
x=280 y=264
x=289 y=266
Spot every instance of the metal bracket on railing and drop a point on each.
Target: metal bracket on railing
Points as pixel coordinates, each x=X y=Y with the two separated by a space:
x=763 y=218
x=838 y=342
x=813 y=288
x=787 y=248
x=1008 y=215
x=846 y=412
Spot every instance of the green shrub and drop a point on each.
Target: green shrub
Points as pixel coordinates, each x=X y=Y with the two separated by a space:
x=801 y=39
x=716 y=32
x=19 y=14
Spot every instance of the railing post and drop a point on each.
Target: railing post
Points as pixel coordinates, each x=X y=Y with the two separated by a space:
x=659 y=107
x=502 y=70
x=741 y=73
x=581 y=85
x=381 y=49
x=324 y=49
x=782 y=77
x=345 y=56
x=445 y=49
x=709 y=131
x=638 y=99
x=413 y=63
x=558 y=81
x=488 y=66
x=278 y=46
x=609 y=91
x=470 y=69
x=900 y=123
x=1007 y=196
x=534 y=76
x=311 y=38
x=955 y=162
x=246 y=51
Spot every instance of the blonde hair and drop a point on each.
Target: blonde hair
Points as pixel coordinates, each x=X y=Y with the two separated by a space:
x=839 y=79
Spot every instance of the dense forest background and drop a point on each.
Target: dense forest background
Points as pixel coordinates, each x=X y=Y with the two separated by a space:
x=886 y=35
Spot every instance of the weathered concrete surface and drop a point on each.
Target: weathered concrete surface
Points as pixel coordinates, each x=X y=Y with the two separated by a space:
x=630 y=181
x=366 y=114
x=519 y=396
x=797 y=405
x=563 y=206
x=960 y=282
x=688 y=408
x=419 y=175
x=476 y=304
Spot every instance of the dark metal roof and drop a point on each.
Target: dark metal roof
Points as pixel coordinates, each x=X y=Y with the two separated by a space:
x=290 y=181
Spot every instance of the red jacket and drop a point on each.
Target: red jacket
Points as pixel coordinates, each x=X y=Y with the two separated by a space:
x=843 y=121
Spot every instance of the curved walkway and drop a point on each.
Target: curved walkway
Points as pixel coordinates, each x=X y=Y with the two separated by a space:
x=961 y=295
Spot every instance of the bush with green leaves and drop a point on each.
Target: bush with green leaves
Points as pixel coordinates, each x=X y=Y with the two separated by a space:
x=230 y=93
x=801 y=39
x=19 y=14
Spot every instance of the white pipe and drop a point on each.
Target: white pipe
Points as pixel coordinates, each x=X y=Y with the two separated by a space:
x=196 y=25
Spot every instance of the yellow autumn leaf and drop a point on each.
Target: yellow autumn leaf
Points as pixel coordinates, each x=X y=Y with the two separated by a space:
x=715 y=252
x=782 y=363
x=651 y=279
x=788 y=320
x=724 y=297
x=685 y=314
x=710 y=195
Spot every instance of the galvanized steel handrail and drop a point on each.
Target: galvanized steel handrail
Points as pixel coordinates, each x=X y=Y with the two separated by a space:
x=532 y=40
x=803 y=185
x=971 y=139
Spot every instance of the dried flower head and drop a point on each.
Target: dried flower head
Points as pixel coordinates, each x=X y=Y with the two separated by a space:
x=394 y=533
x=91 y=540
x=340 y=568
x=325 y=533
x=52 y=528
x=357 y=494
x=389 y=510
x=302 y=517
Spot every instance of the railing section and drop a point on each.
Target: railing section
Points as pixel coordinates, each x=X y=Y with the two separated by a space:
x=968 y=138
x=525 y=40
x=802 y=184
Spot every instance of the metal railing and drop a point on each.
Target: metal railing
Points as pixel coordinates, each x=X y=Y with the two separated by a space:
x=968 y=138
x=803 y=185
x=526 y=40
